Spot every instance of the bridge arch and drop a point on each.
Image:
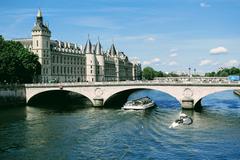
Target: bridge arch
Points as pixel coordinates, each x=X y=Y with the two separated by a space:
x=198 y=101
x=124 y=93
x=34 y=96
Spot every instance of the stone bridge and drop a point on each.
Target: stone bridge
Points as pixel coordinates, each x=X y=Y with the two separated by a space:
x=189 y=92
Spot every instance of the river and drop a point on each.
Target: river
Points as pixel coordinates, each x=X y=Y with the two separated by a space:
x=109 y=133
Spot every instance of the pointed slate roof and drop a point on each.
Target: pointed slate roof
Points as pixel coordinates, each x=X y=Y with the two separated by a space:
x=39 y=26
x=113 y=51
x=39 y=14
x=98 y=49
x=88 y=47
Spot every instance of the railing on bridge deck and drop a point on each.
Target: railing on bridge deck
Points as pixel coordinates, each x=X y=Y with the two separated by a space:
x=159 y=80
x=194 y=79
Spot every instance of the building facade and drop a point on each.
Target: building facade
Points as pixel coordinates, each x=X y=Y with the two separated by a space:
x=69 y=62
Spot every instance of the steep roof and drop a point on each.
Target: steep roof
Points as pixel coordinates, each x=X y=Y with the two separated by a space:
x=98 y=49
x=113 y=51
x=88 y=47
x=39 y=14
x=39 y=26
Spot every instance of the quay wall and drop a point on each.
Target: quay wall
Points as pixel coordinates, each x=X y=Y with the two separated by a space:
x=12 y=95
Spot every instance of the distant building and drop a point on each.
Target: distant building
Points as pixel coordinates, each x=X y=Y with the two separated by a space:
x=68 y=62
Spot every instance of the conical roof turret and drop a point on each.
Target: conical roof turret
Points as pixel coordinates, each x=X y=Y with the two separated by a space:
x=39 y=14
x=88 y=47
x=113 y=51
x=98 y=49
x=39 y=26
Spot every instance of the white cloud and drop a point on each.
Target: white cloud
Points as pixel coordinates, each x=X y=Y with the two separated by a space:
x=150 y=39
x=205 y=62
x=173 y=55
x=152 y=61
x=146 y=62
x=173 y=52
x=232 y=63
x=218 y=50
x=139 y=37
x=156 y=60
x=135 y=59
x=172 y=63
x=205 y=5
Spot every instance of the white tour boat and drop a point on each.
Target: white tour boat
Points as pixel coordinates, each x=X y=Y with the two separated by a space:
x=139 y=104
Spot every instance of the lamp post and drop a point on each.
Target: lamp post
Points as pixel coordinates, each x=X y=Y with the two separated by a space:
x=195 y=72
x=189 y=73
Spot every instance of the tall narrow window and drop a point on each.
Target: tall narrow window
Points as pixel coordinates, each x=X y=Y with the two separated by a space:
x=37 y=43
x=53 y=69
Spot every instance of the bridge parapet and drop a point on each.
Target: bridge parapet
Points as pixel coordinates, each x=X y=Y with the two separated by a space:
x=157 y=81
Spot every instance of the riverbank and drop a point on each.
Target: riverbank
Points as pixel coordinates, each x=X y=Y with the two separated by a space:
x=12 y=95
x=237 y=92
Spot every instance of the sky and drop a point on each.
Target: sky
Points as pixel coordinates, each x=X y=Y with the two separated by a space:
x=168 y=35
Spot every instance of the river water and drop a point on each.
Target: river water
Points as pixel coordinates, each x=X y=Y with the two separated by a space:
x=110 y=133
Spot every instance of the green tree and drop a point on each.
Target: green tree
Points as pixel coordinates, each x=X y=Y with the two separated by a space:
x=224 y=72
x=161 y=74
x=17 y=64
x=149 y=73
x=234 y=71
x=171 y=74
x=210 y=74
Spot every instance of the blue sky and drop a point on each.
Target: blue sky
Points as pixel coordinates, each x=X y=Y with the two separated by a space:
x=168 y=35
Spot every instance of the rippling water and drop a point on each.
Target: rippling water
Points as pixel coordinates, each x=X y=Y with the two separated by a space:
x=93 y=133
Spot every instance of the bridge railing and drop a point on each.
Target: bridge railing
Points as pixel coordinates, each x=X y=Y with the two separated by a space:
x=162 y=80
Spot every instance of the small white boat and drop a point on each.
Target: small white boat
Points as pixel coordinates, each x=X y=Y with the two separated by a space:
x=139 y=104
x=184 y=120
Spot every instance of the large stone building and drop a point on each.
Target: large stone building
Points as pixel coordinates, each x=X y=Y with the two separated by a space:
x=68 y=62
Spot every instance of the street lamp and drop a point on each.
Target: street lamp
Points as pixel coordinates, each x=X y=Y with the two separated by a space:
x=195 y=71
x=189 y=73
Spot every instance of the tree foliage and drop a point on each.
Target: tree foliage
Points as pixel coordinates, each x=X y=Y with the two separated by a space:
x=224 y=72
x=17 y=64
x=148 y=73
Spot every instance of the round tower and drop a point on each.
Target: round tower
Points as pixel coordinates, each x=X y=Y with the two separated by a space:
x=100 y=59
x=90 y=62
x=41 y=46
x=114 y=54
